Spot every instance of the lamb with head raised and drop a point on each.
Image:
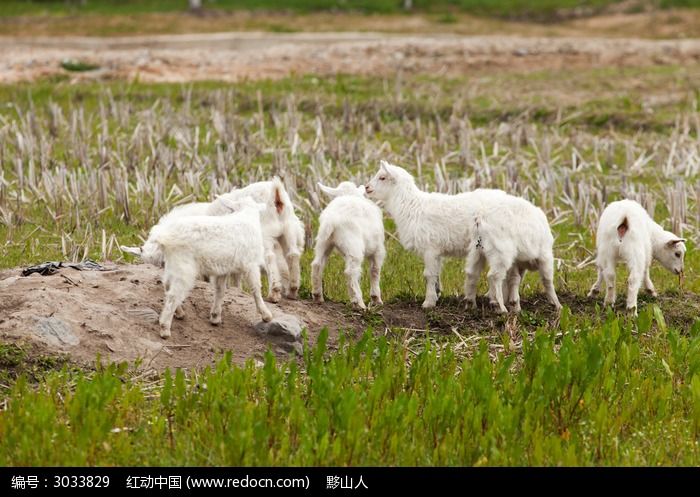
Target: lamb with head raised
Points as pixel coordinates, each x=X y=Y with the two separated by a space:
x=283 y=234
x=212 y=247
x=627 y=233
x=508 y=232
x=353 y=225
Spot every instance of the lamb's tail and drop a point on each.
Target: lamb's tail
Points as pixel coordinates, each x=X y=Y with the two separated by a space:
x=325 y=233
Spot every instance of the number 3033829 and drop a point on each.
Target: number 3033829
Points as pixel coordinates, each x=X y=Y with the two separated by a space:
x=80 y=481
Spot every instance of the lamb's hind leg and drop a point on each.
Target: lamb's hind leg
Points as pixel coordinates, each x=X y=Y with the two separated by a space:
x=473 y=267
x=608 y=271
x=219 y=283
x=515 y=276
x=273 y=275
x=496 y=276
x=176 y=290
x=321 y=253
x=546 y=269
x=634 y=282
x=431 y=272
x=180 y=312
x=375 y=268
x=353 y=271
x=596 y=286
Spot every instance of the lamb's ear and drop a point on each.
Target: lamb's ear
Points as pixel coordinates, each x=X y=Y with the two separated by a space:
x=231 y=206
x=623 y=228
x=331 y=192
x=673 y=243
x=384 y=167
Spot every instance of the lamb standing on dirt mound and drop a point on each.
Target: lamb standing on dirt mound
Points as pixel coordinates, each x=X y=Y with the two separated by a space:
x=352 y=224
x=283 y=234
x=484 y=225
x=626 y=232
x=212 y=246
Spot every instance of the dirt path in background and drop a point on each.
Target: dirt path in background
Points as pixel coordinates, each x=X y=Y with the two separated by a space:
x=252 y=56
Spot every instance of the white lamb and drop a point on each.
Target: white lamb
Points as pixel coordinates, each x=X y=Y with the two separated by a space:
x=509 y=233
x=213 y=247
x=283 y=234
x=352 y=224
x=626 y=232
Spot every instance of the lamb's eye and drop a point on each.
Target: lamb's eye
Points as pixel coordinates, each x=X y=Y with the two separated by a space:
x=678 y=254
x=382 y=178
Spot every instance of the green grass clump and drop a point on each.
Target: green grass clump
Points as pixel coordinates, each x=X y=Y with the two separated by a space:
x=587 y=392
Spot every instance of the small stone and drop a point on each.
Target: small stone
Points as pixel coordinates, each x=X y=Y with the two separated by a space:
x=55 y=332
x=284 y=326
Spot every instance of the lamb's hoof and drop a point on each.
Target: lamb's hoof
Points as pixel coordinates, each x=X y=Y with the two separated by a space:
x=164 y=332
x=501 y=310
x=515 y=308
x=376 y=300
x=592 y=293
x=275 y=296
x=428 y=305
x=469 y=304
x=267 y=317
x=215 y=318
x=318 y=298
x=653 y=293
x=359 y=305
x=632 y=310
x=293 y=294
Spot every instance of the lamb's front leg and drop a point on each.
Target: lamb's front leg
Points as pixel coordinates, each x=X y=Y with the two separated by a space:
x=432 y=275
x=648 y=284
x=253 y=276
x=219 y=283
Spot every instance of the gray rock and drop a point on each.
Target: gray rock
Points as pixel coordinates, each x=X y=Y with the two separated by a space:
x=55 y=332
x=285 y=327
x=145 y=314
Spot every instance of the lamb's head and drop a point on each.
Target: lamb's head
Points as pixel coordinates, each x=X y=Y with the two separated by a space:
x=241 y=205
x=387 y=180
x=345 y=188
x=671 y=253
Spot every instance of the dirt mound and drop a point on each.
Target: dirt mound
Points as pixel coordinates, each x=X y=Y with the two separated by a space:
x=115 y=314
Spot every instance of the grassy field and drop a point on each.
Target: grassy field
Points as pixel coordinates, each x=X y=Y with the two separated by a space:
x=86 y=167
x=505 y=8
x=643 y=18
